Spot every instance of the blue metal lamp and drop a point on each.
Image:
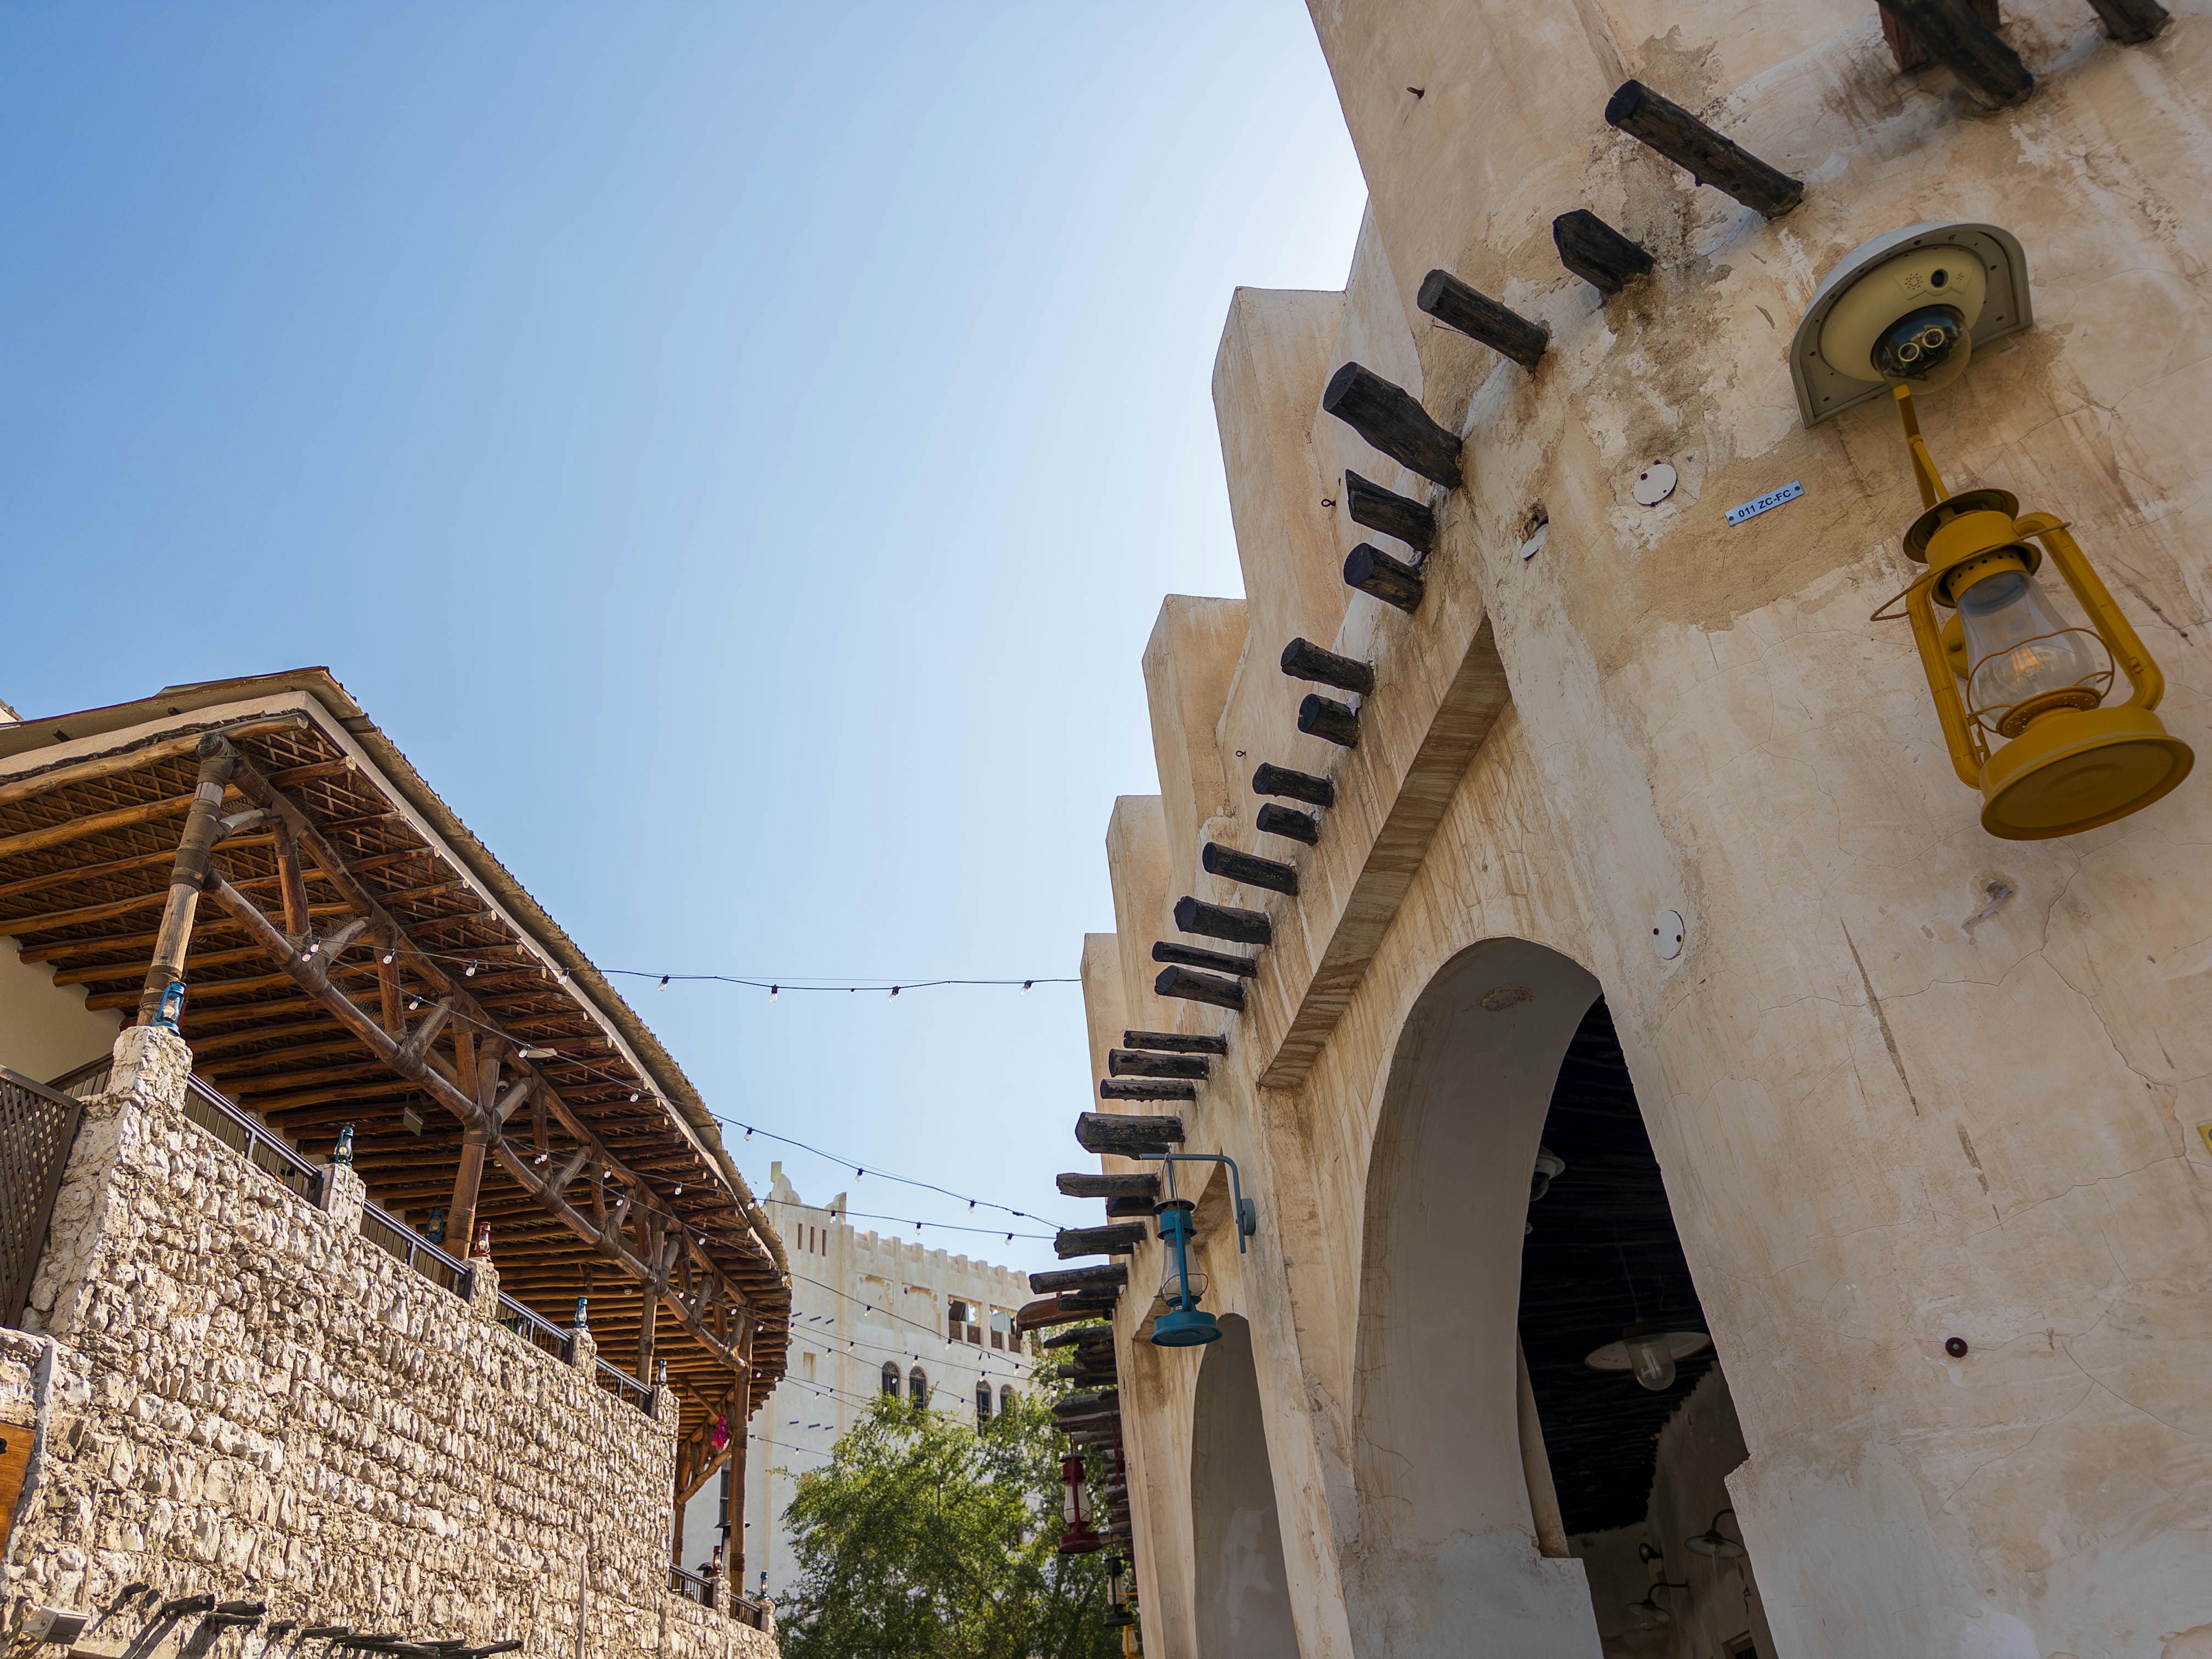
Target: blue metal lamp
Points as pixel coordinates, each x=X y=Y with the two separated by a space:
x=1183 y=1326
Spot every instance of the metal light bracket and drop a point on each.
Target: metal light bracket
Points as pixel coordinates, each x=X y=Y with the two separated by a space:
x=1248 y=1214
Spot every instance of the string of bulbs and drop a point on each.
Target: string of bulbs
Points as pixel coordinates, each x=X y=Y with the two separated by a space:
x=868 y=1215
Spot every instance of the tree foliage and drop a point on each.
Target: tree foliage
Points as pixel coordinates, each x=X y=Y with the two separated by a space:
x=927 y=1537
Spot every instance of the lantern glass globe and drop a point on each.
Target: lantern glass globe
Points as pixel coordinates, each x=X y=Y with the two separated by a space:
x=1651 y=1359
x=2018 y=648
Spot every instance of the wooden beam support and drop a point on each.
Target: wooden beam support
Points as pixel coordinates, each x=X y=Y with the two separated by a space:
x=1966 y=47
x=1108 y=1276
x=1287 y=821
x=1476 y=315
x=1146 y=1088
x=1195 y=915
x=1191 y=956
x=1111 y=1134
x=1090 y=1184
x=1372 y=506
x=1303 y=660
x=139 y=755
x=1248 y=869
x=1118 y=1239
x=1594 y=251
x=1391 y=419
x=1392 y=580
x=1175 y=1042
x=1330 y=720
x=1200 y=987
x=1138 y=1062
x=1710 y=157
x=218 y=761
x=1268 y=779
x=122 y=817
x=2131 y=22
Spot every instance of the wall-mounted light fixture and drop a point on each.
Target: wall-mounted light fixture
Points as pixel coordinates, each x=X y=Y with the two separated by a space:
x=1185 y=1325
x=1648 y=1350
x=1078 y=1538
x=1652 y=1611
x=2063 y=761
x=1714 y=1542
x=1117 y=1594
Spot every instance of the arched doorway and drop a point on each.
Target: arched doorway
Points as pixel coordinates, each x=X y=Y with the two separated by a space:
x=1447 y=1543
x=1242 y=1597
x=1536 y=1506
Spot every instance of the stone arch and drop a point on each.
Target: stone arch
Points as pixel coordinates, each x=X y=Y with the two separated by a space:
x=1242 y=1596
x=1447 y=1542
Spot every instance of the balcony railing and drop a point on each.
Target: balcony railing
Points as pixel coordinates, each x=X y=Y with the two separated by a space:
x=390 y=1234
x=534 y=1328
x=37 y=1126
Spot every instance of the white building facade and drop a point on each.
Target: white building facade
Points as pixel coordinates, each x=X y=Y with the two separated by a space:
x=870 y=1312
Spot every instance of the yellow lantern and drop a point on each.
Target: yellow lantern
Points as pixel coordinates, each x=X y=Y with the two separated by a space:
x=2007 y=667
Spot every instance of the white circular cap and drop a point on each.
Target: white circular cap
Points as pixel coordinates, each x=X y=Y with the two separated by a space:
x=1654 y=485
x=1666 y=935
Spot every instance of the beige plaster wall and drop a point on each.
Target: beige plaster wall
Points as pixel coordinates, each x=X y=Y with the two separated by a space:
x=45 y=1030
x=1905 y=1082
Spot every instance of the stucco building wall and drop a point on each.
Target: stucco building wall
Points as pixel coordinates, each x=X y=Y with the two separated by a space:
x=1905 y=1082
x=242 y=1395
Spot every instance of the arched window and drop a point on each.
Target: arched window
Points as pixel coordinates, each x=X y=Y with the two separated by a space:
x=917 y=1387
x=982 y=1402
x=1006 y=1397
x=891 y=1379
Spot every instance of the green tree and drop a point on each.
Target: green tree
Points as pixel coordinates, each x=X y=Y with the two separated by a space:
x=925 y=1537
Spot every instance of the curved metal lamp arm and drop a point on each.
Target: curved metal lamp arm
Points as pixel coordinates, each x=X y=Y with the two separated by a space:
x=1247 y=1214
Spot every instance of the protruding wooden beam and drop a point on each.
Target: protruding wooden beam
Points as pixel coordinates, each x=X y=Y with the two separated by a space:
x=1966 y=47
x=1137 y=1062
x=1594 y=251
x=1303 y=660
x=1411 y=522
x=1096 y=1337
x=2131 y=22
x=1248 y=869
x=1200 y=987
x=1146 y=1088
x=1391 y=419
x=1394 y=581
x=1091 y=1302
x=1268 y=779
x=1116 y=1240
x=1048 y=1312
x=1110 y=1133
x=1089 y=1183
x=1288 y=822
x=1195 y=915
x=1479 y=317
x=1219 y=961
x=1175 y=1042
x=1104 y=1276
x=1330 y=720
x=1710 y=157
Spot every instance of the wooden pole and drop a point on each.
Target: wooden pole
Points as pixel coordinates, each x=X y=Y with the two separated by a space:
x=1710 y=157
x=1200 y=987
x=1391 y=419
x=292 y=886
x=1303 y=660
x=734 y=1545
x=1288 y=822
x=1250 y=868
x=1594 y=251
x=1478 y=316
x=1111 y=1133
x=1411 y=522
x=1090 y=1184
x=468 y=1178
x=1146 y=1088
x=1118 y=1239
x=195 y=850
x=1175 y=1042
x=1394 y=581
x=1189 y=956
x=1269 y=779
x=1331 y=722
x=2131 y=22
x=1108 y=1276
x=1138 y=1062
x=1966 y=47
x=1195 y=915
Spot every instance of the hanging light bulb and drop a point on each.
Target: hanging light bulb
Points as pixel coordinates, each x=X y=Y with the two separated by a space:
x=633 y=1097
x=774 y=992
x=388 y=958
x=469 y=972
x=895 y=991
x=1025 y=986
x=1648 y=1353
x=413 y=1003
x=664 y=982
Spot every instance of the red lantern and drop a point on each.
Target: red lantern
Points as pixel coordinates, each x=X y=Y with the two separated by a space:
x=482 y=1250
x=718 y=1436
x=1075 y=1508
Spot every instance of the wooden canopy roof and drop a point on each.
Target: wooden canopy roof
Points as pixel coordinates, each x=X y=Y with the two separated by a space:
x=608 y=1177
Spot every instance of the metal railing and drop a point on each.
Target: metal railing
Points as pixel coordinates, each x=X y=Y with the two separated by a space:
x=692 y=1586
x=535 y=1328
x=761 y=1615
x=37 y=1126
x=246 y=1135
x=621 y=1384
x=389 y=1233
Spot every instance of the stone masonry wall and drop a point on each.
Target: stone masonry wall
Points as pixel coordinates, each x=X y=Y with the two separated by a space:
x=249 y=1398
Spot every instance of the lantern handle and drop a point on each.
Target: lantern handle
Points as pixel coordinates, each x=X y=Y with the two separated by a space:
x=1924 y=464
x=1248 y=1215
x=2104 y=612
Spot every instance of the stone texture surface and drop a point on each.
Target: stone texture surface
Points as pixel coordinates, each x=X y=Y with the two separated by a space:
x=252 y=1399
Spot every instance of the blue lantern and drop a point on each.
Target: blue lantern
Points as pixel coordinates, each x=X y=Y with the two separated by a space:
x=173 y=1005
x=1183 y=1326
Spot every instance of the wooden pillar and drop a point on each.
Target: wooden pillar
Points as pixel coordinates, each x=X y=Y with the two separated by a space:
x=194 y=851
x=461 y=1209
x=733 y=1549
x=292 y=882
x=647 y=1315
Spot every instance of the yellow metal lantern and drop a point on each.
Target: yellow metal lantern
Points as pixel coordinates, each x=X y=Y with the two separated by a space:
x=2006 y=666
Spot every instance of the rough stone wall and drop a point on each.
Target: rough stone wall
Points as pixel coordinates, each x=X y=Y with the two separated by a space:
x=249 y=1398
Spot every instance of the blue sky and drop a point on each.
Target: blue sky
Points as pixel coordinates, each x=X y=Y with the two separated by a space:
x=735 y=451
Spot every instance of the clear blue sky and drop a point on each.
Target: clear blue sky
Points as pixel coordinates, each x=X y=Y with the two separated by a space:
x=735 y=451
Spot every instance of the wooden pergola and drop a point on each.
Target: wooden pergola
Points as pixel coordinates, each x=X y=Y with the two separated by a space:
x=354 y=955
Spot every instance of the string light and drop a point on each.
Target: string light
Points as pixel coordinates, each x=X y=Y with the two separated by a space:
x=774 y=992
x=1025 y=986
x=469 y=972
x=895 y=991
x=390 y=956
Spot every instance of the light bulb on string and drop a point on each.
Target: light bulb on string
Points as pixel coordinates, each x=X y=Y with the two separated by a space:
x=894 y=995
x=1025 y=986
x=664 y=982
x=388 y=956
x=469 y=972
x=774 y=992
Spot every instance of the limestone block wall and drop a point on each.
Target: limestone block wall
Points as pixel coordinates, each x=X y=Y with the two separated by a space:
x=247 y=1397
